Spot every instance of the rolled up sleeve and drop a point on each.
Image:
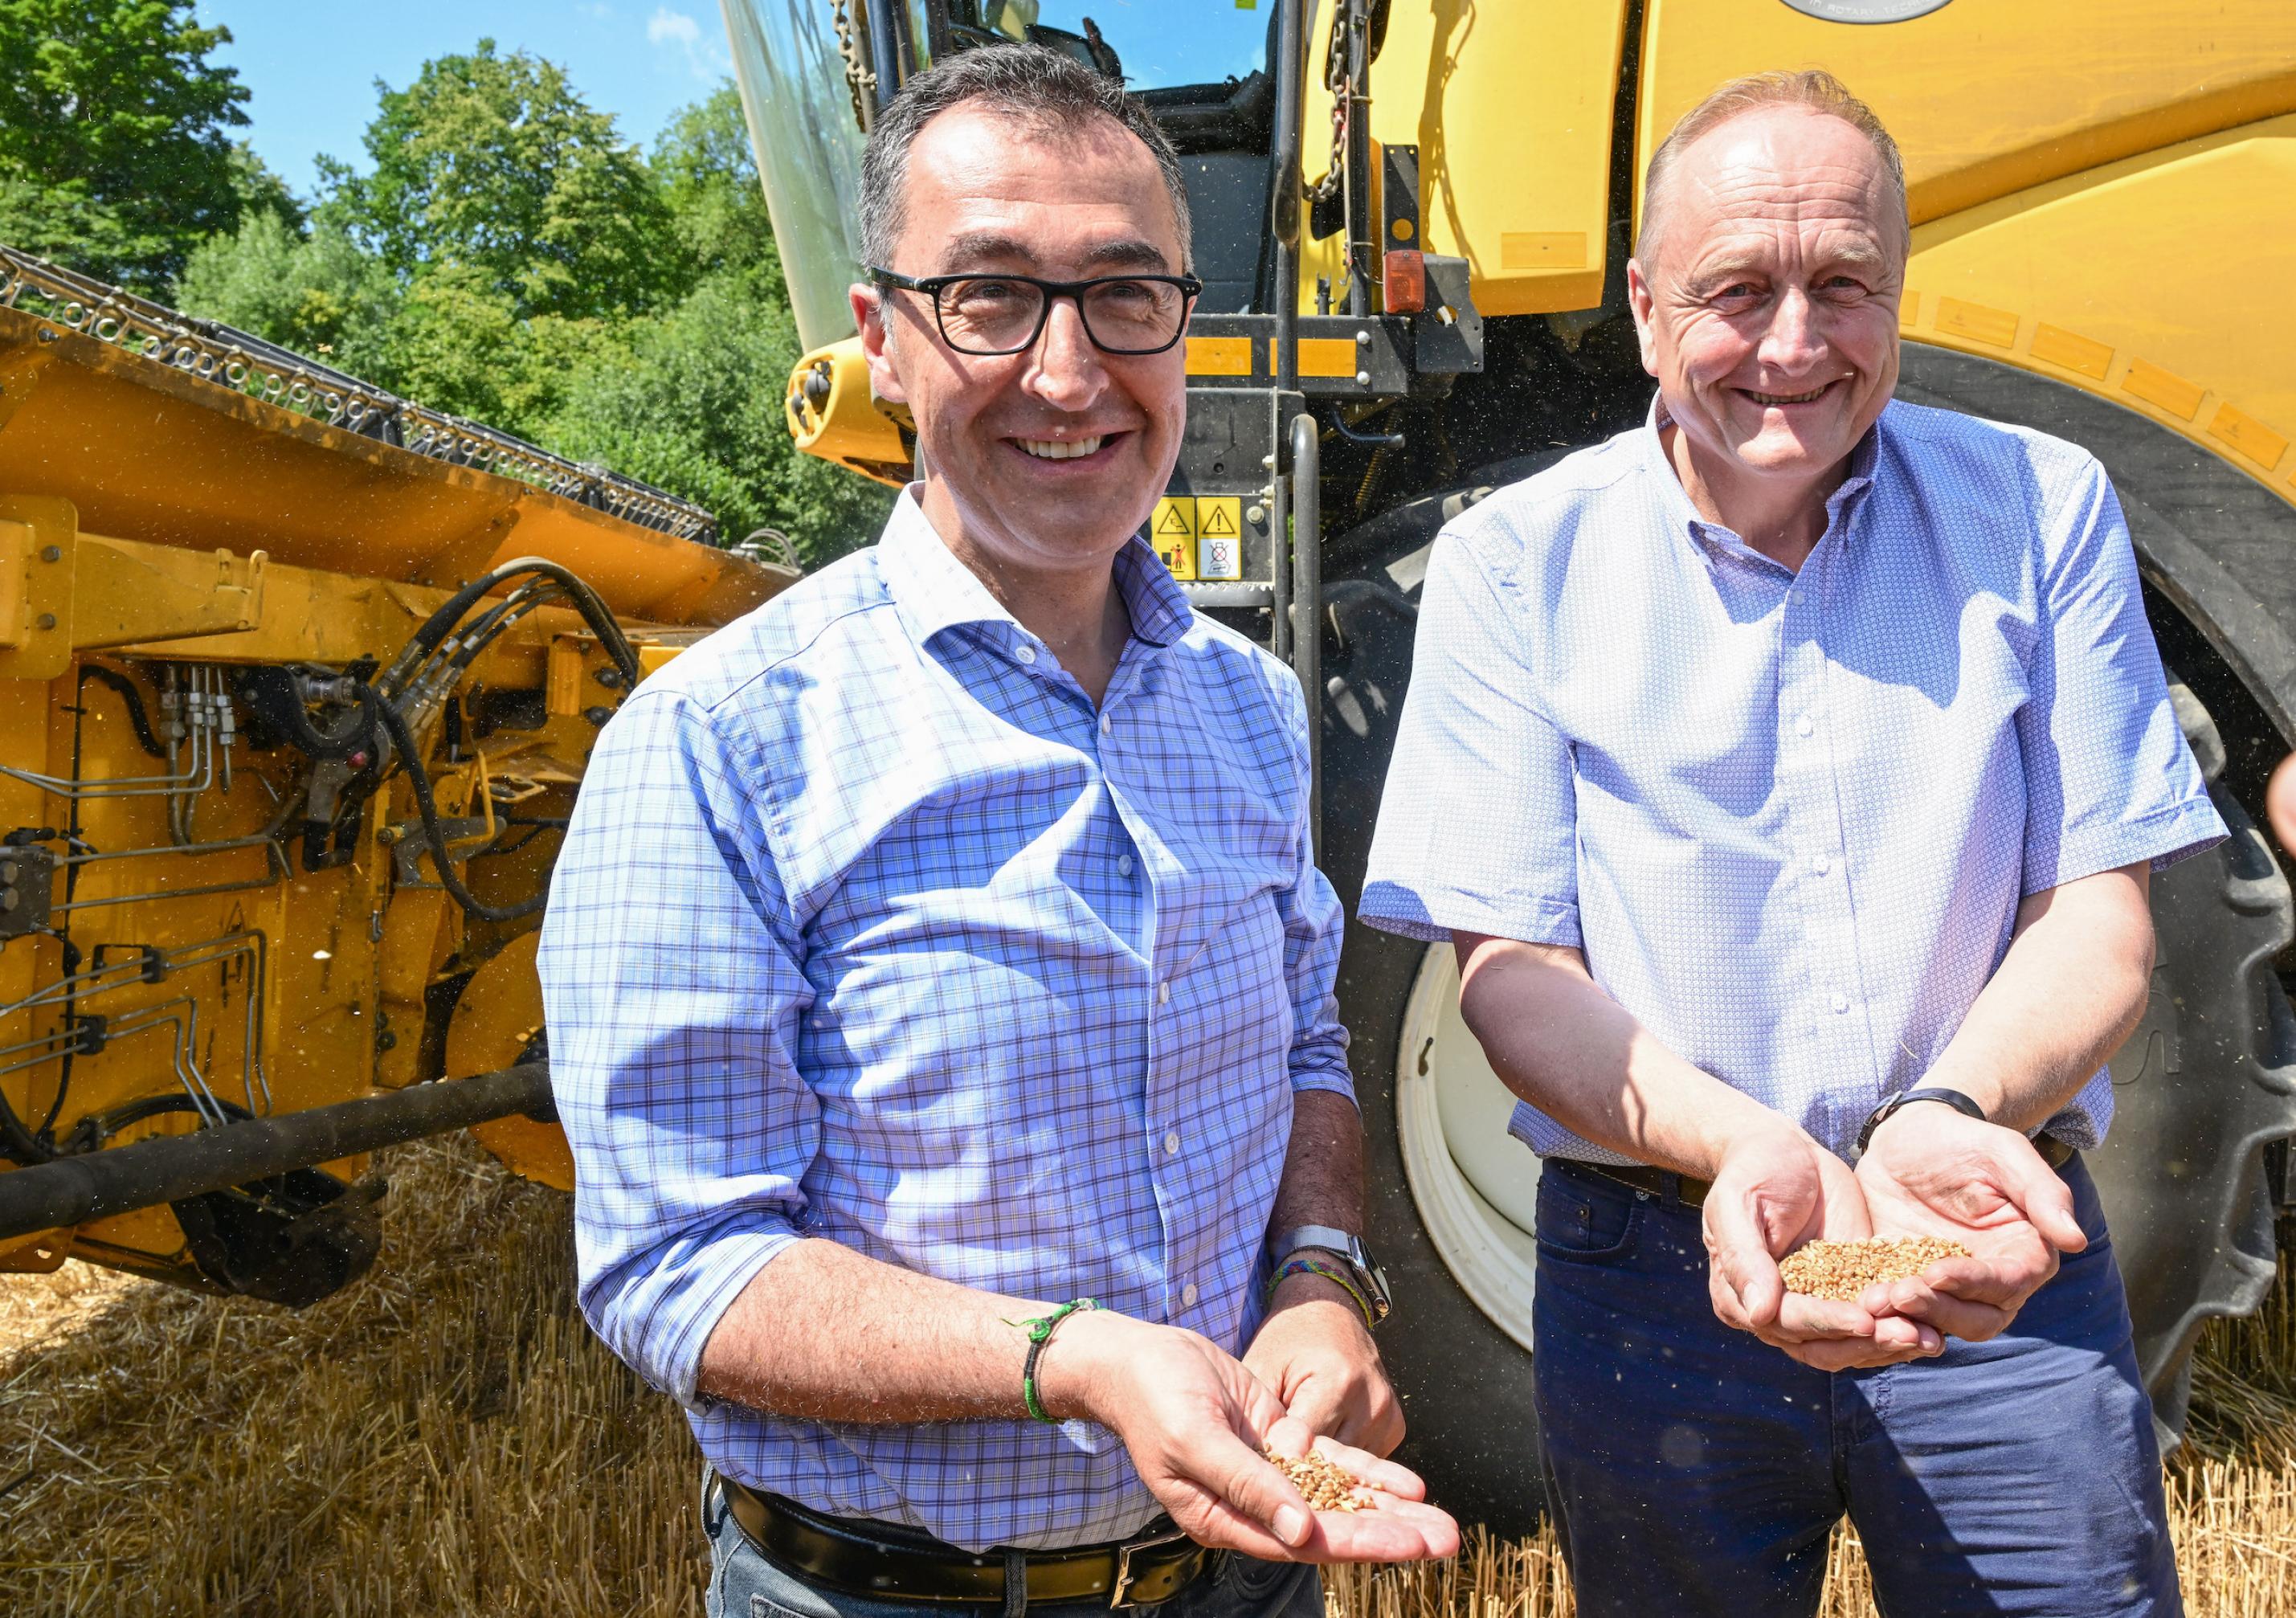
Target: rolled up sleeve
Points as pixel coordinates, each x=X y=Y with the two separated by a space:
x=1478 y=821
x=2109 y=779
x=670 y=981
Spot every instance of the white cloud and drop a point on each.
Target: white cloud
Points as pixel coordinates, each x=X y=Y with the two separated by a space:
x=595 y=8
x=672 y=30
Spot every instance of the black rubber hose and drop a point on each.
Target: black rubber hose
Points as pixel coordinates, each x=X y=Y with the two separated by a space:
x=587 y=601
x=77 y=1190
x=427 y=805
x=137 y=714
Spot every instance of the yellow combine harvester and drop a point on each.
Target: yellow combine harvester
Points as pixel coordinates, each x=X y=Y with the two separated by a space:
x=296 y=682
x=1422 y=297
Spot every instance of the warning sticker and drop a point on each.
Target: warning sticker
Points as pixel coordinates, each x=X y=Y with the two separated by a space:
x=1219 y=537
x=1172 y=531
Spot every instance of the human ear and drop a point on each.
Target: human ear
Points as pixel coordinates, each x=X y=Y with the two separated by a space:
x=1642 y=304
x=871 y=316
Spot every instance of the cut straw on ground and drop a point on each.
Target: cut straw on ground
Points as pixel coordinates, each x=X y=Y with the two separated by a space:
x=448 y=1438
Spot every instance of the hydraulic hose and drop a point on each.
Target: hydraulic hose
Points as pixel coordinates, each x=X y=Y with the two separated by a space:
x=426 y=804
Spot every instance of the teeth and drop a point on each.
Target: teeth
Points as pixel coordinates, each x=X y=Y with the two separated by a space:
x=1785 y=399
x=1057 y=449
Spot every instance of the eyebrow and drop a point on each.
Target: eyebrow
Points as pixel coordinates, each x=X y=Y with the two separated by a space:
x=975 y=248
x=1722 y=271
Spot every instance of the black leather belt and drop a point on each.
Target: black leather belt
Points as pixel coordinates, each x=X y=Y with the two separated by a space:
x=1670 y=1186
x=884 y=1559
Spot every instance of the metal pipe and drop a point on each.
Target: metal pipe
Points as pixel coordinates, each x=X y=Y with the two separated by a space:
x=884 y=50
x=79 y=1190
x=1307 y=603
x=1283 y=200
x=1361 y=251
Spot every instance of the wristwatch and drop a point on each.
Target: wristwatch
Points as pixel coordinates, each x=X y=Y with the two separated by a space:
x=1346 y=1250
x=1965 y=1105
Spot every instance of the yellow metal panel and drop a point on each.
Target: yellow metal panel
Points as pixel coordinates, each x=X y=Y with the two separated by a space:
x=1991 y=97
x=2159 y=282
x=1219 y=356
x=124 y=592
x=1321 y=357
x=1510 y=107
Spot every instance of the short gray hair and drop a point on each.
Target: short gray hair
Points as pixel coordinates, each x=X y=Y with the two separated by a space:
x=1813 y=89
x=1051 y=93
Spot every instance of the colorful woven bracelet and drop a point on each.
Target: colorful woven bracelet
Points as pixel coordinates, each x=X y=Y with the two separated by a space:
x=1316 y=1267
x=1040 y=1332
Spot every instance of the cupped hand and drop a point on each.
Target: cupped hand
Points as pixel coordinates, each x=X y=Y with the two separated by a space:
x=1316 y=1353
x=1195 y=1423
x=1775 y=1189
x=1930 y=1171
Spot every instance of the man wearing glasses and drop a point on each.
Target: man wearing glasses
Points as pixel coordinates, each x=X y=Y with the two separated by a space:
x=968 y=1066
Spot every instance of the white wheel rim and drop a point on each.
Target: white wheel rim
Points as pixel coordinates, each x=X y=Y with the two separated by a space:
x=1475 y=1185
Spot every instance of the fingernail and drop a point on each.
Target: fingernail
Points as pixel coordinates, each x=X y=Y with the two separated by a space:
x=1291 y=1524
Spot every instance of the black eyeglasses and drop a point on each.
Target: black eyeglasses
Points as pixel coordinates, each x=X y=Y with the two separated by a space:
x=1006 y=313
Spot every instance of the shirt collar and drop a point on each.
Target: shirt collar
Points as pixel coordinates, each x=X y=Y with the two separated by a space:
x=933 y=591
x=1863 y=459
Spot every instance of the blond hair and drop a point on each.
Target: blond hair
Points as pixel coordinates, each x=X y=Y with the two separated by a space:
x=1813 y=89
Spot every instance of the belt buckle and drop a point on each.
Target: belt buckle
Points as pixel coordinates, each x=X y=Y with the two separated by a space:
x=1120 y=1593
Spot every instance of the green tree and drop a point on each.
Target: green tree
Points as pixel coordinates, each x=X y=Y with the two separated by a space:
x=495 y=164
x=315 y=290
x=695 y=406
x=114 y=155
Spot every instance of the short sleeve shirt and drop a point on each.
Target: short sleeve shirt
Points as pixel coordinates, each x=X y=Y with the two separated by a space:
x=1788 y=816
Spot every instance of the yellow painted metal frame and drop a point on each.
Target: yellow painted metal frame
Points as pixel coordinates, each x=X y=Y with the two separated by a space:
x=2161 y=282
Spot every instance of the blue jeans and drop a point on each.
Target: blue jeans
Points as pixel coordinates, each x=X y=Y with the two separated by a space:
x=1694 y=1470
x=744 y=1582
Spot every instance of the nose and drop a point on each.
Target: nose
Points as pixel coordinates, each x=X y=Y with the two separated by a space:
x=1064 y=369
x=1791 y=343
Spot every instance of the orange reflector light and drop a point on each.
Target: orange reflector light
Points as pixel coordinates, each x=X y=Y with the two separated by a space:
x=1403 y=280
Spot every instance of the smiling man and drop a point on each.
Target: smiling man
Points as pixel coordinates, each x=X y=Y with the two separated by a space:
x=940 y=983
x=1786 y=775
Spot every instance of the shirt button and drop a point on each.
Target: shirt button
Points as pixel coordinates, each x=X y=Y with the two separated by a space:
x=1124 y=865
x=1819 y=865
x=1025 y=653
x=1172 y=1145
x=1840 y=1002
x=1107 y=725
x=1164 y=993
x=1188 y=1295
x=1805 y=725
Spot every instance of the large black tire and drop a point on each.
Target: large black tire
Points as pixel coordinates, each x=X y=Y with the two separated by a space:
x=2208 y=1081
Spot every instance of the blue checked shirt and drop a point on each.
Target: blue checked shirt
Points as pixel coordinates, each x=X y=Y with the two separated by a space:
x=1789 y=819
x=870 y=928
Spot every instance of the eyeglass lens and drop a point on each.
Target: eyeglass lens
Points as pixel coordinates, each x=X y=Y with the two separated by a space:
x=990 y=315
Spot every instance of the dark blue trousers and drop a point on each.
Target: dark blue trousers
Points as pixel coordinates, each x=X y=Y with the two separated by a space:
x=1694 y=1470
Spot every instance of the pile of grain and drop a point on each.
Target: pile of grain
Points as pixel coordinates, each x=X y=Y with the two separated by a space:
x=1841 y=1270
x=449 y=1439
x=1322 y=1484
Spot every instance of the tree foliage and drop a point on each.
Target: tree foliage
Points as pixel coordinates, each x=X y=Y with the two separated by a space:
x=510 y=259
x=115 y=151
x=495 y=165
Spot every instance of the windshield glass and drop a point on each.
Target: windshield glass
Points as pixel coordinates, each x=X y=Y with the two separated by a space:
x=1153 y=44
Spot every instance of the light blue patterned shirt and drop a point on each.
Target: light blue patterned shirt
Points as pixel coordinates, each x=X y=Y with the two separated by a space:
x=869 y=927
x=1789 y=819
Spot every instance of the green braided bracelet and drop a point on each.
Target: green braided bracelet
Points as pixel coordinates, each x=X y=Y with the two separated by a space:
x=1040 y=1332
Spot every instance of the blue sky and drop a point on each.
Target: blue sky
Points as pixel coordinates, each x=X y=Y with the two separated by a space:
x=311 y=68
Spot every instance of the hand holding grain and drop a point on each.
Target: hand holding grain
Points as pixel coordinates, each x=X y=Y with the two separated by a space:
x=1774 y=1190
x=1930 y=1171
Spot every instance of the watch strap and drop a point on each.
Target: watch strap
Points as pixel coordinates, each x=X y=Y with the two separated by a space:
x=1965 y=1104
